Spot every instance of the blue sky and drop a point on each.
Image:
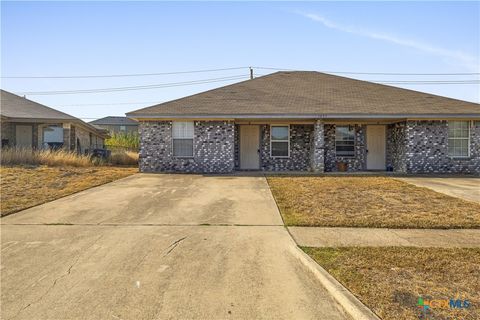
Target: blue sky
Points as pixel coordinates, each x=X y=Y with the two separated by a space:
x=103 y=38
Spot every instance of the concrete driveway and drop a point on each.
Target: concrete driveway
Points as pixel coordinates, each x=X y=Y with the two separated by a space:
x=467 y=188
x=158 y=247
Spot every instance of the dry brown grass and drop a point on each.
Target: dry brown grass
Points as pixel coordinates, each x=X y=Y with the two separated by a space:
x=24 y=187
x=125 y=158
x=62 y=158
x=18 y=156
x=389 y=280
x=368 y=202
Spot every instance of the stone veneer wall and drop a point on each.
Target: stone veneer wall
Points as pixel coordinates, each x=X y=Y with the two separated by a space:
x=84 y=137
x=213 y=148
x=8 y=134
x=356 y=163
x=300 y=144
x=396 y=147
x=427 y=149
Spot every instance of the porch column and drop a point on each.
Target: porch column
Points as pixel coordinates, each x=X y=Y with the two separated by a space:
x=317 y=158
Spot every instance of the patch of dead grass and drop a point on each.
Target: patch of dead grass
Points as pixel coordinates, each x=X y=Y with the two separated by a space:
x=389 y=280
x=24 y=187
x=368 y=202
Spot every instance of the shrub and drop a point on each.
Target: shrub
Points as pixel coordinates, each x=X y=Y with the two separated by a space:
x=124 y=140
x=125 y=158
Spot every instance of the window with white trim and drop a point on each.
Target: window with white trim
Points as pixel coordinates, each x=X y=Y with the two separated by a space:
x=458 y=138
x=280 y=141
x=182 y=134
x=345 y=141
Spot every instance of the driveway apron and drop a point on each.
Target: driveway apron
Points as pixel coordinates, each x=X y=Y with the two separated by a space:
x=158 y=246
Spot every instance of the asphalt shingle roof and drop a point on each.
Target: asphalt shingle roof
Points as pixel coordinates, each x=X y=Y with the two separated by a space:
x=309 y=94
x=14 y=106
x=112 y=120
x=18 y=108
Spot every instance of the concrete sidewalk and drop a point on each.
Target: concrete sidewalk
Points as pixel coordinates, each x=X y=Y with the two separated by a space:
x=467 y=188
x=376 y=237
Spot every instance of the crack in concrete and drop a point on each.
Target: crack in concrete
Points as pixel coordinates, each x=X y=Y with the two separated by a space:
x=69 y=270
x=173 y=245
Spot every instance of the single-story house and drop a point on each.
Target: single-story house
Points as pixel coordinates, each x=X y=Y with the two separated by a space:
x=117 y=124
x=300 y=121
x=28 y=124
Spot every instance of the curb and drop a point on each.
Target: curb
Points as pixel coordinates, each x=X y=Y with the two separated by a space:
x=347 y=301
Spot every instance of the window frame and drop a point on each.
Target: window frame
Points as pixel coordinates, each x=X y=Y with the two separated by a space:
x=45 y=144
x=469 y=124
x=193 y=141
x=354 y=142
x=287 y=141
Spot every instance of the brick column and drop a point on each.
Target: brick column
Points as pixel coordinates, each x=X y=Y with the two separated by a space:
x=317 y=157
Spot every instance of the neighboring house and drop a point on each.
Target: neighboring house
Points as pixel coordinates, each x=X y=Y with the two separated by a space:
x=299 y=121
x=117 y=124
x=28 y=124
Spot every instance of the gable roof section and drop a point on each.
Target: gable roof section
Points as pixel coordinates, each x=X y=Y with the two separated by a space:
x=115 y=121
x=304 y=94
x=16 y=108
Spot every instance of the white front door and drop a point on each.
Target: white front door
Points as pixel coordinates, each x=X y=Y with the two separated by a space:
x=23 y=136
x=249 y=146
x=376 y=147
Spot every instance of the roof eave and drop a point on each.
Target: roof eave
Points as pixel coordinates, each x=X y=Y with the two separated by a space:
x=143 y=117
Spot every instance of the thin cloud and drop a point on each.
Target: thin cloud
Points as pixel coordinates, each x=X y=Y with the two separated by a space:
x=460 y=57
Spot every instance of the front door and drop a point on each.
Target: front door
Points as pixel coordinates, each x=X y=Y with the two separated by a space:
x=23 y=136
x=249 y=147
x=376 y=147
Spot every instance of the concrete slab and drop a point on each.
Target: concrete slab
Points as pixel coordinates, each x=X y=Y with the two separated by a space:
x=467 y=188
x=155 y=272
x=159 y=247
x=162 y=199
x=373 y=237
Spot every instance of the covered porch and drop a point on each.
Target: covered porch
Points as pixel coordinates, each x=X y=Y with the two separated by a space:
x=319 y=146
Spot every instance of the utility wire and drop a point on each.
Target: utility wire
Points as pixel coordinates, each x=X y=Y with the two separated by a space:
x=379 y=73
x=122 y=75
x=238 y=77
x=153 y=86
x=234 y=68
x=105 y=104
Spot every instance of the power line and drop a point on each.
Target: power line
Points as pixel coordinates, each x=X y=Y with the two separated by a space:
x=379 y=73
x=153 y=86
x=121 y=75
x=105 y=104
x=233 y=68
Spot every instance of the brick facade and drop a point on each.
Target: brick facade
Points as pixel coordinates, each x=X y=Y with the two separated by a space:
x=411 y=147
x=427 y=149
x=300 y=144
x=396 y=145
x=355 y=163
x=213 y=148
x=317 y=151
